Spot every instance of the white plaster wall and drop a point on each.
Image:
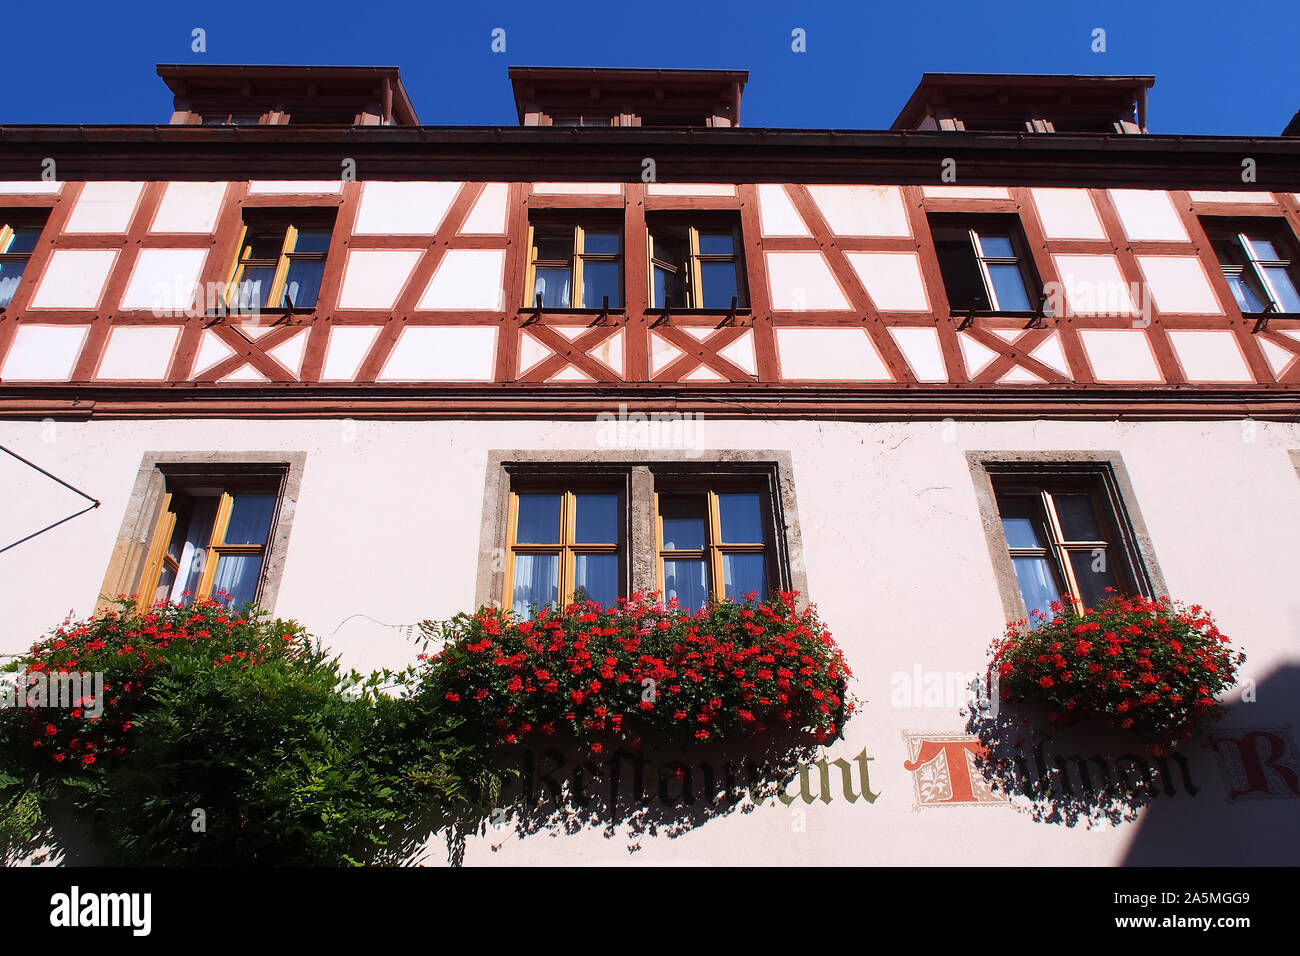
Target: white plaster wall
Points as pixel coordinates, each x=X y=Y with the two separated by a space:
x=189 y=207
x=862 y=210
x=488 y=217
x=104 y=207
x=1067 y=214
x=1148 y=215
x=387 y=526
x=403 y=208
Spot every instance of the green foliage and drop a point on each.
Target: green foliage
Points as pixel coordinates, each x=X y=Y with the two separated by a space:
x=232 y=740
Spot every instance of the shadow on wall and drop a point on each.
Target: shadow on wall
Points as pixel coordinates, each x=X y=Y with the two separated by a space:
x=1230 y=796
x=632 y=792
x=65 y=842
x=1250 y=813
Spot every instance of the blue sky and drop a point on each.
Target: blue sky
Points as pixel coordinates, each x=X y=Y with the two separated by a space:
x=1220 y=69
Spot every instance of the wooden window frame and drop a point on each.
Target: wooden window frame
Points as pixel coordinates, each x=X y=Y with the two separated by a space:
x=227 y=116
x=715 y=549
x=580 y=226
x=10 y=221
x=560 y=119
x=291 y=224
x=990 y=224
x=691 y=269
x=568 y=548
x=1043 y=489
x=1238 y=232
x=157 y=558
x=638 y=474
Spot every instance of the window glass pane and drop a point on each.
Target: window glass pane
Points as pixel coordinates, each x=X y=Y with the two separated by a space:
x=539 y=520
x=166 y=580
x=1078 y=520
x=743 y=574
x=553 y=245
x=236 y=579
x=302 y=284
x=552 y=284
x=197 y=534
x=262 y=244
x=1094 y=574
x=717 y=244
x=686 y=581
x=961 y=274
x=1229 y=251
x=669 y=246
x=250 y=519
x=23 y=241
x=1022 y=521
x=254 y=288
x=10 y=273
x=1264 y=249
x=600 y=279
x=1009 y=286
x=741 y=517
x=719 y=281
x=683 y=521
x=997 y=247
x=600 y=243
x=670 y=292
x=1243 y=290
x=312 y=240
x=597 y=519
x=595 y=578
x=1287 y=298
x=537 y=582
x=1037 y=583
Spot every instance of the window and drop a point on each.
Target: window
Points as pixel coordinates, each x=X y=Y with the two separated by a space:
x=585 y=119
x=711 y=542
x=212 y=539
x=1064 y=541
x=695 y=266
x=281 y=260
x=566 y=544
x=683 y=524
x=19 y=233
x=985 y=263
x=575 y=265
x=232 y=119
x=1259 y=264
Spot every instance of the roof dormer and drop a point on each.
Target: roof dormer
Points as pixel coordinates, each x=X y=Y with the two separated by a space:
x=560 y=96
x=280 y=95
x=1033 y=103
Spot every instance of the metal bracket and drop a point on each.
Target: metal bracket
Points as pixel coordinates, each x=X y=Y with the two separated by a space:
x=536 y=314
x=604 y=314
x=1036 y=320
x=94 y=503
x=1261 y=324
x=730 y=317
